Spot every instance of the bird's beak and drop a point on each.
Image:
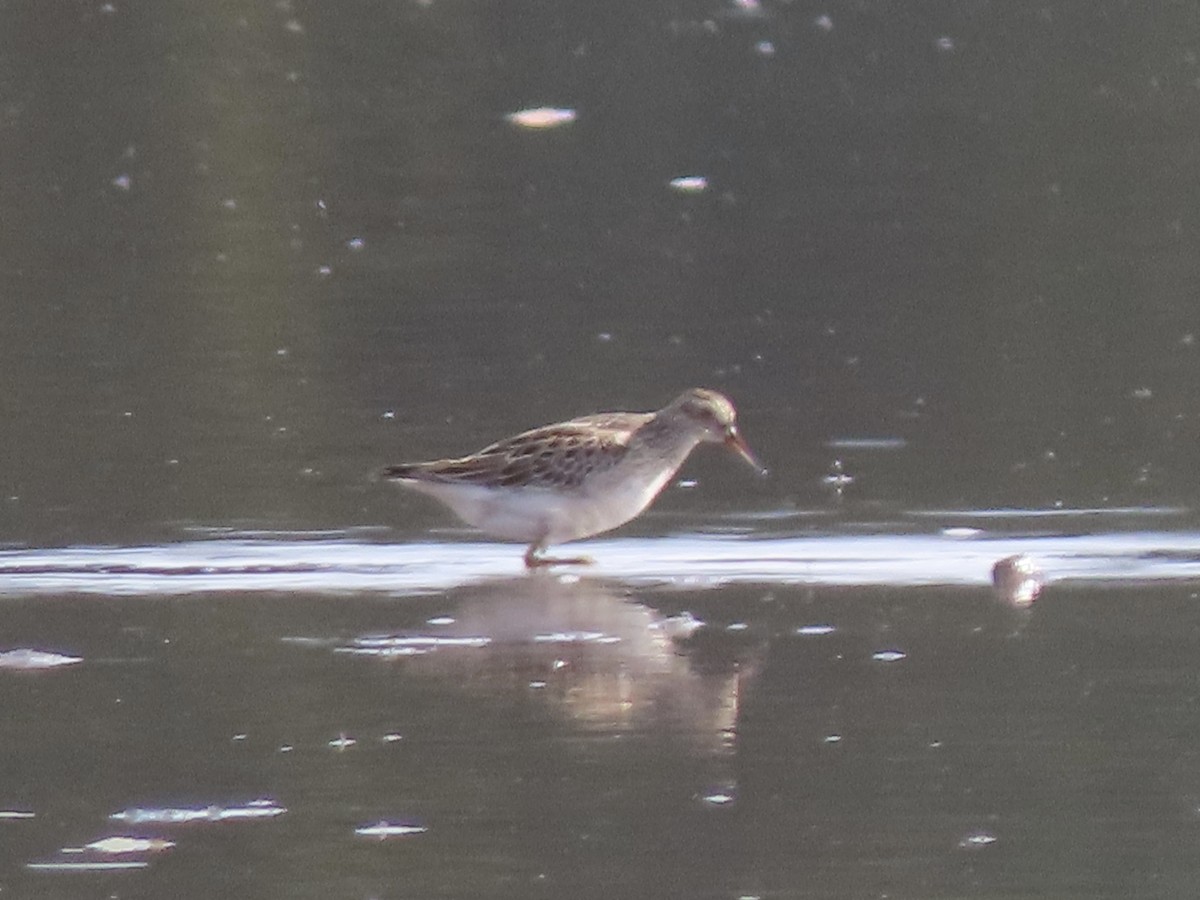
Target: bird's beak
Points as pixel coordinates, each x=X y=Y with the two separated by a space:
x=735 y=442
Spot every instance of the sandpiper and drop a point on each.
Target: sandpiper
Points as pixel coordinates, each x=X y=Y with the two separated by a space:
x=575 y=479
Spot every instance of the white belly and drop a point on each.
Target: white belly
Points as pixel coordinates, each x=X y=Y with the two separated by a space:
x=540 y=514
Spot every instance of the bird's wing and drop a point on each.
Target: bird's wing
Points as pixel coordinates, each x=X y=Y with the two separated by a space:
x=552 y=456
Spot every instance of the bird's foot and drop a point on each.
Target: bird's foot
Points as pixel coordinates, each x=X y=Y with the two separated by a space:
x=534 y=561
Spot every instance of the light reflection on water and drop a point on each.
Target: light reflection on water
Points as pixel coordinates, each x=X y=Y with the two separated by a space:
x=955 y=555
x=558 y=724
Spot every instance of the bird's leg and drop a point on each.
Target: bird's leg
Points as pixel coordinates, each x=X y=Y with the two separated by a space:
x=534 y=559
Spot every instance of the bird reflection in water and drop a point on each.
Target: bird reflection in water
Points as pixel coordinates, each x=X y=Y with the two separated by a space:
x=592 y=653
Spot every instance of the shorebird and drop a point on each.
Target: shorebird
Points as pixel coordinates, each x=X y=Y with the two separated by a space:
x=575 y=479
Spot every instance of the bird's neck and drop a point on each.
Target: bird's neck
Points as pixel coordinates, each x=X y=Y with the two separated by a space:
x=663 y=439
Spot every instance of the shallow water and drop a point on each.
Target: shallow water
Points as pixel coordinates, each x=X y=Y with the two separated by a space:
x=733 y=553
x=832 y=716
x=728 y=715
x=943 y=258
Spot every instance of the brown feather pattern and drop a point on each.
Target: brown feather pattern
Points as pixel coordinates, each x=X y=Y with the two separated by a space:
x=559 y=455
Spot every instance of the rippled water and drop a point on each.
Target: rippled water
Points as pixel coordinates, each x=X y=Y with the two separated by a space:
x=942 y=256
x=729 y=715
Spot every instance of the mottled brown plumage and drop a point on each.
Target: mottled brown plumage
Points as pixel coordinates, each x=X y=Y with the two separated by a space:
x=559 y=455
x=577 y=478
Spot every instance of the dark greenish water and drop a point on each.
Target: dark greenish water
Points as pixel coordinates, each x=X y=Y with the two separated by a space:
x=942 y=255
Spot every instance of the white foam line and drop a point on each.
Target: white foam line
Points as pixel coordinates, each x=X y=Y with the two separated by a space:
x=323 y=566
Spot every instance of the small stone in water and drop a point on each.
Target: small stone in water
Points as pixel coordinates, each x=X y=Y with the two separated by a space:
x=1017 y=580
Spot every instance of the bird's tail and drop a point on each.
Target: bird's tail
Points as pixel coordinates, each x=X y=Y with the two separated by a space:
x=402 y=471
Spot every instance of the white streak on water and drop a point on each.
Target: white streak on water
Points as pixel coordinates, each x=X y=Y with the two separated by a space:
x=351 y=565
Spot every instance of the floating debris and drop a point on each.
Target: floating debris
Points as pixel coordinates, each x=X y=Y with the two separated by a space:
x=25 y=659
x=383 y=830
x=959 y=532
x=7 y=814
x=1017 y=580
x=121 y=844
x=719 y=798
x=679 y=627
x=689 y=184
x=815 y=630
x=889 y=655
x=541 y=117
x=167 y=815
x=977 y=841
x=342 y=742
